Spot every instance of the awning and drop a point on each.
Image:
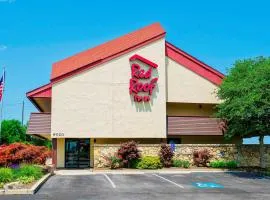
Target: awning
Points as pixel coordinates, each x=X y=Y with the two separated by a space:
x=39 y=124
x=193 y=126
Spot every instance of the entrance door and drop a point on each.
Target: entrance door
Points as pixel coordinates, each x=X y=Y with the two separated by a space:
x=77 y=153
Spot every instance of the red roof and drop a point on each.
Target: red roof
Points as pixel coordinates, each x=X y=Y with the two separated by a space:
x=43 y=91
x=117 y=47
x=193 y=64
x=106 y=51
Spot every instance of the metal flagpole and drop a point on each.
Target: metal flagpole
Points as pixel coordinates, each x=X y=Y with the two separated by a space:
x=3 y=89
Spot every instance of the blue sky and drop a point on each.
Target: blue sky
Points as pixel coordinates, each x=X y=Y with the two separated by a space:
x=34 y=34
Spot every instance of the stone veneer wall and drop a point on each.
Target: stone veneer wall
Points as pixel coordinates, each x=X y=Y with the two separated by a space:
x=246 y=155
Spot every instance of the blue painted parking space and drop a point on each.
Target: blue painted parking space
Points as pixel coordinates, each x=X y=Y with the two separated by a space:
x=207 y=185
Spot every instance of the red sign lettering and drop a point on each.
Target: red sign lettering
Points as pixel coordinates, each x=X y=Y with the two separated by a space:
x=136 y=86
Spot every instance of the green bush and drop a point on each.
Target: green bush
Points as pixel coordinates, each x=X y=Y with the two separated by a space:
x=186 y=164
x=218 y=164
x=28 y=171
x=149 y=162
x=181 y=163
x=231 y=164
x=177 y=163
x=134 y=163
x=223 y=164
x=6 y=175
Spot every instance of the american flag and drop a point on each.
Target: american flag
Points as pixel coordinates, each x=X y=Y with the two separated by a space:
x=2 y=87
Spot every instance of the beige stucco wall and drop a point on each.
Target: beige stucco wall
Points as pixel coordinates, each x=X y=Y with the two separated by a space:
x=183 y=85
x=60 y=152
x=188 y=109
x=97 y=103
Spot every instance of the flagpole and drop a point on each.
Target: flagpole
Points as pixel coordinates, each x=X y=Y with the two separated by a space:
x=2 y=105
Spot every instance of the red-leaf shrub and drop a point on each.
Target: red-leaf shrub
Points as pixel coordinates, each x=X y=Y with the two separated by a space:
x=201 y=157
x=166 y=154
x=17 y=153
x=128 y=152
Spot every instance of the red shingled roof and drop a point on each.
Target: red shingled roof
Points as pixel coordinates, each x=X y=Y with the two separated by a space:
x=107 y=51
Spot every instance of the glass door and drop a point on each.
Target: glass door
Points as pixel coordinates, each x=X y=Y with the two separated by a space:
x=77 y=153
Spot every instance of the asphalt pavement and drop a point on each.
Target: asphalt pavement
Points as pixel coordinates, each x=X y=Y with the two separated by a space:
x=200 y=185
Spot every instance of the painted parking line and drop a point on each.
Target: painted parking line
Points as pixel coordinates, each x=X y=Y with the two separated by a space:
x=178 y=185
x=110 y=180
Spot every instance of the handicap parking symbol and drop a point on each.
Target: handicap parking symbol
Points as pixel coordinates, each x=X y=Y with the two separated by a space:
x=207 y=185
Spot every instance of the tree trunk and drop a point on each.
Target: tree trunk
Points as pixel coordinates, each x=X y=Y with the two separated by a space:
x=262 y=160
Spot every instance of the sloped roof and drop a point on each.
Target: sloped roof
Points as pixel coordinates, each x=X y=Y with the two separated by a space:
x=117 y=47
x=193 y=64
x=193 y=126
x=42 y=91
x=39 y=123
x=108 y=50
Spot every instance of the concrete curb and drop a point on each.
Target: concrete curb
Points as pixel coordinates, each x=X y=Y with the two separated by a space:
x=162 y=172
x=32 y=190
x=94 y=172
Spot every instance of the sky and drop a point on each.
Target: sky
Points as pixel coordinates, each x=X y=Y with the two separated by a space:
x=36 y=33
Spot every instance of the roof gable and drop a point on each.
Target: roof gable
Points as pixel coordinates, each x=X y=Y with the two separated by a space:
x=193 y=64
x=106 y=51
x=44 y=91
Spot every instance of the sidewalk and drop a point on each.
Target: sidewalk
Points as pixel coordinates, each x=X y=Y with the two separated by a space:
x=137 y=171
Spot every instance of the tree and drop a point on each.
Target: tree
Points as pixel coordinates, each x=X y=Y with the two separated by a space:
x=245 y=95
x=12 y=131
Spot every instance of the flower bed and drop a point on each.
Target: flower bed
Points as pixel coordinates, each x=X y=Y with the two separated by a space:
x=132 y=155
x=22 y=176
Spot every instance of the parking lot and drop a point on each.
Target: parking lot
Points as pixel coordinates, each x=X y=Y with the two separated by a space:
x=201 y=185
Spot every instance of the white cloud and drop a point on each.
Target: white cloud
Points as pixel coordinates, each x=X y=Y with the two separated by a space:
x=3 y=47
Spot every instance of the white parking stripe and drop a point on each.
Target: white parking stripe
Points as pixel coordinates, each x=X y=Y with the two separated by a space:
x=111 y=182
x=178 y=185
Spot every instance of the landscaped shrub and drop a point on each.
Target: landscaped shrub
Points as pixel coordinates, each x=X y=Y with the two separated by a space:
x=166 y=154
x=6 y=175
x=134 y=163
x=186 y=164
x=25 y=174
x=28 y=171
x=223 y=164
x=201 y=157
x=17 y=153
x=231 y=164
x=217 y=164
x=181 y=163
x=26 y=179
x=113 y=161
x=149 y=162
x=128 y=152
x=177 y=163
